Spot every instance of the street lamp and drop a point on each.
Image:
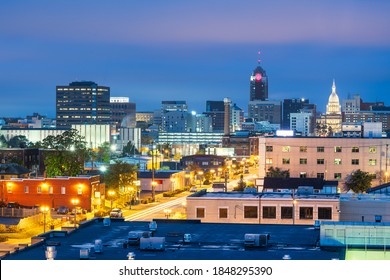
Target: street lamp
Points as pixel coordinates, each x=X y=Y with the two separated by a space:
x=75 y=202
x=212 y=171
x=154 y=184
x=111 y=194
x=44 y=210
x=200 y=173
x=167 y=213
x=293 y=211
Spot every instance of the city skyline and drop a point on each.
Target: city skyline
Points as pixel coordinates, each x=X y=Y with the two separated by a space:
x=192 y=51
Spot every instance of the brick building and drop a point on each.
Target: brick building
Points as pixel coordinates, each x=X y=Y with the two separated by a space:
x=55 y=192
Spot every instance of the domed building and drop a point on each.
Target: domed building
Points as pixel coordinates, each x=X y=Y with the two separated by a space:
x=330 y=123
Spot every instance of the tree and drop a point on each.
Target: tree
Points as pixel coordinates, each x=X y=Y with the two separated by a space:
x=278 y=173
x=18 y=141
x=121 y=177
x=67 y=156
x=129 y=149
x=359 y=181
x=103 y=152
x=3 y=142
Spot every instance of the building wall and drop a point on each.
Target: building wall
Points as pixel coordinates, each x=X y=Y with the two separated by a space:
x=235 y=208
x=287 y=154
x=33 y=135
x=365 y=208
x=55 y=192
x=94 y=134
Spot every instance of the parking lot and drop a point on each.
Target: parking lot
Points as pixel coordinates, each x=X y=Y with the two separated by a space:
x=208 y=242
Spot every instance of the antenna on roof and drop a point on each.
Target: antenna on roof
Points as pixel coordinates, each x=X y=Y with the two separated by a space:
x=258 y=59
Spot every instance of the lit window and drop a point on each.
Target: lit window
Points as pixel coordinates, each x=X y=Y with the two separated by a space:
x=337 y=176
x=79 y=190
x=63 y=190
x=337 y=161
x=303 y=149
x=50 y=190
x=286 y=161
x=372 y=149
x=337 y=149
x=39 y=189
x=26 y=189
x=302 y=174
x=286 y=149
x=268 y=161
x=372 y=162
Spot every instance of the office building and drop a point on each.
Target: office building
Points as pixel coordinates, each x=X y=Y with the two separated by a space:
x=123 y=112
x=82 y=103
x=258 y=84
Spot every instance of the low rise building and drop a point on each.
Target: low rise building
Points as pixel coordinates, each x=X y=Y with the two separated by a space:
x=55 y=192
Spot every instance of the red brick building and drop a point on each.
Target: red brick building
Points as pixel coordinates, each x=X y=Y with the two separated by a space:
x=55 y=192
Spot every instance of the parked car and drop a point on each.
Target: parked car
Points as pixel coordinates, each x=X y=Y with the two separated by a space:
x=116 y=213
x=78 y=210
x=63 y=210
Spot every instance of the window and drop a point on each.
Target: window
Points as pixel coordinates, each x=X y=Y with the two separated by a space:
x=286 y=212
x=200 y=212
x=355 y=149
x=320 y=149
x=324 y=213
x=286 y=161
x=372 y=149
x=9 y=189
x=269 y=148
x=269 y=212
x=306 y=213
x=26 y=189
x=303 y=149
x=63 y=190
x=223 y=213
x=355 y=161
x=372 y=162
x=250 y=212
x=338 y=149
x=286 y=149
x=303 y=161
x=302 y=175
x=320 y=161
x=320 y=175
x=39 y=189
x=337 y=176
x=268 y=161
x=337 y=161
x=79 y=190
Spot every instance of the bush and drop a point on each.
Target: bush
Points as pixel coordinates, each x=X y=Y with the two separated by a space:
x=3 y=238
x=13 y=229
x=3 y=228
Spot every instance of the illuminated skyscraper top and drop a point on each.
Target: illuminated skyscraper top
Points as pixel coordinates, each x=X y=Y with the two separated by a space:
x=258 y=84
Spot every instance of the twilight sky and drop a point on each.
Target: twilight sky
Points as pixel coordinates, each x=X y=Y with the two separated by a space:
x=153 y=50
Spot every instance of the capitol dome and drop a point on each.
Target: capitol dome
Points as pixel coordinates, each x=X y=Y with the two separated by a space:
x=333 y=106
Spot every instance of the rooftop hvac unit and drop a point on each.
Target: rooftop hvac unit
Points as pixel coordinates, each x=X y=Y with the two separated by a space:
x=256 y=240
x=84 y=254
x=51 y=252
x=98 y=246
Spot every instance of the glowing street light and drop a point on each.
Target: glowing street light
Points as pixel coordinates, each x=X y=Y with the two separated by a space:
x=44 y=210
x=111 y=194
x=75 y=202
x=167 y=213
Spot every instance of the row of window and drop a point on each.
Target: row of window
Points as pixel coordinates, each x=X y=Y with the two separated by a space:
x=321 y=149
x=49 y=189
x=321 y=161
x=269 y=212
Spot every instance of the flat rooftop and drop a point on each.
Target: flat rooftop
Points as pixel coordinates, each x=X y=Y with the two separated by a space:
x=265 y=195
x=209 y=242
